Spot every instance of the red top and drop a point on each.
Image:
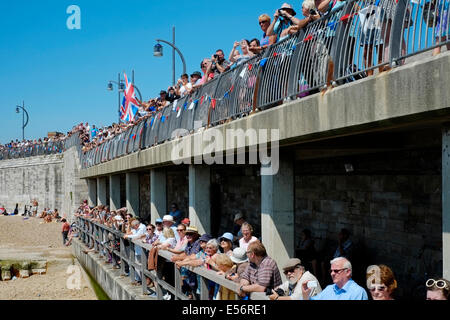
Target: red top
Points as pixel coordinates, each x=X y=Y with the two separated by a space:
x=65 y=227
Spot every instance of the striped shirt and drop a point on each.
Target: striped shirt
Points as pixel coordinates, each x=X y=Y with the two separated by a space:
x=266 y=274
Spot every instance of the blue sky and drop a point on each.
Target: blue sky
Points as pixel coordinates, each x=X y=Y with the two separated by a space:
x=62 y=74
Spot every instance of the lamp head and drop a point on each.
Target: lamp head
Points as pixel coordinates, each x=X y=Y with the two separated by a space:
x=17 y=109
x=158 y=50
x=122 y=87
x=110 y=86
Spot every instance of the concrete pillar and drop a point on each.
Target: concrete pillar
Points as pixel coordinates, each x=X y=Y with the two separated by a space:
x=277 y=211
x=158 y=197
x=132 y=192
x=114 y=192
x=446 y=202
x=92 y=192
x=101 y=191
x=199 y=197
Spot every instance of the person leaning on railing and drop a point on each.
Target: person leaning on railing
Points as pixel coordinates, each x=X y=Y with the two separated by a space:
x=261 y=274
x=285 y=23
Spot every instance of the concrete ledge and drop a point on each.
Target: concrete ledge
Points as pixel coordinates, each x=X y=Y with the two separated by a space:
x=408 y=95
x=115 y=286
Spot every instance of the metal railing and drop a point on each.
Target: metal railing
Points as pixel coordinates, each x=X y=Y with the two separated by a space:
x=345 y=45
x=46 y=148
x=95 y=236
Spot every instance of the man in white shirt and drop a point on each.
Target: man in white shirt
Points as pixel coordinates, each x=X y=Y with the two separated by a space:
x=296 y=275
x=138 y=230
x=169 y=222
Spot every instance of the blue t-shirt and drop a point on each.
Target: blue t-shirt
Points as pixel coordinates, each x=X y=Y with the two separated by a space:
x=176 y=216
x=350 y=291
x=94 y=133
x=280 y=27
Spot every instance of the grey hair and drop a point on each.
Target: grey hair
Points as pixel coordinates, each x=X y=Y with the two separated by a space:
x=214 y=243
x=135 y=223
x=346 y=265
x=308 y=4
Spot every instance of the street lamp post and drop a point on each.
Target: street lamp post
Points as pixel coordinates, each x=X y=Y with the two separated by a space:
x=24 y=124
x=121 y=88
x=158 y=52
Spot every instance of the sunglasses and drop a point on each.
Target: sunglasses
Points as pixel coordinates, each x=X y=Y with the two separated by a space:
x=337 y=270
x=378 y=288
x=441 y=284
x=180 y=230
x=289 y=271
x=262 y=22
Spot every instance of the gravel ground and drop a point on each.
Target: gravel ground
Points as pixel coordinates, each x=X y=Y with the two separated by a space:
x=32 y=239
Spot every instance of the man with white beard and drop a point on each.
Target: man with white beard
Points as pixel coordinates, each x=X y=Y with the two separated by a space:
x=296 y=275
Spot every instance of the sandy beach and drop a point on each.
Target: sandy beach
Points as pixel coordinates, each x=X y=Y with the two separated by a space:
x=32 y=239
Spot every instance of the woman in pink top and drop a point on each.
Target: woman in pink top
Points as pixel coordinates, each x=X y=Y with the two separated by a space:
x=247 y=232
x=181 y=245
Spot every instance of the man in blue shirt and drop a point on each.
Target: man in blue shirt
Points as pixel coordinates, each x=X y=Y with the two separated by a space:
x=175 y=213
x=94 y=132
x=344 y=288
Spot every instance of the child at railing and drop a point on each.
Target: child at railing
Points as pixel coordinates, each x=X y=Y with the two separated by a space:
x=226 y=268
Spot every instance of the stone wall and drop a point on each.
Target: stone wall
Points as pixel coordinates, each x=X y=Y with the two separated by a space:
x=178 y=189
x=75 y=190
x=236 y=188
x=144 y=196
x=53 y=180
x=391 y=204
x=41 y=178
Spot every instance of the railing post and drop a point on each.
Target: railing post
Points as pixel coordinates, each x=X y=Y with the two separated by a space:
x=204 y=294
x=123 y=255
x=95 y=237
x=294 y=71
x=144 y=257
x=340 y=43
x=178 y=292
x=132 y=262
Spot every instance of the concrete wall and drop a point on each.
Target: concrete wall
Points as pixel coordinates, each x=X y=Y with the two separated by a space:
x=41 y=178
x=115 y=286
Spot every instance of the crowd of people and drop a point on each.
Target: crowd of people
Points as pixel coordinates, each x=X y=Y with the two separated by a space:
x=52 y=144
x=241 y=257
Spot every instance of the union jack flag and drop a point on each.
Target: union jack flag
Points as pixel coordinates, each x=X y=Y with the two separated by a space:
x=129 y=107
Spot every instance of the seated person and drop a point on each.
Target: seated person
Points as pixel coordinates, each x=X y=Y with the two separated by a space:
x=292 y=288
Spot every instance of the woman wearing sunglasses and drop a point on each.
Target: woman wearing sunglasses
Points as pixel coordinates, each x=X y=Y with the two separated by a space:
x=381 y=282
x=438 y=289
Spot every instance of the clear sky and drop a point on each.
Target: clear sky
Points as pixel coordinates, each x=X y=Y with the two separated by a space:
x=62 y=74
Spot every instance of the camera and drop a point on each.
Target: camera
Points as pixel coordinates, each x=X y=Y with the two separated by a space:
x=280 y=12
x=312 y=12
x=216 y=56
x=279 y=291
